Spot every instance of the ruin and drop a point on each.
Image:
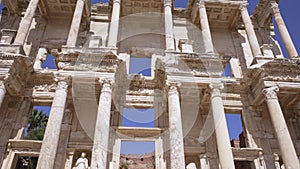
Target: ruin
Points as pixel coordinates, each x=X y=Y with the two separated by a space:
x=189 y=48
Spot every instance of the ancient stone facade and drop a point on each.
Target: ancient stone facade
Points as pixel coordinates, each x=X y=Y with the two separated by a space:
x=189 y=49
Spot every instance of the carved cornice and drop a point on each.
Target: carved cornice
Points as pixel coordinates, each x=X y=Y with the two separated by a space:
x=271 y=93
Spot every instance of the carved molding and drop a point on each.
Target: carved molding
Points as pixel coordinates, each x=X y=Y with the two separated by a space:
x=271 y=93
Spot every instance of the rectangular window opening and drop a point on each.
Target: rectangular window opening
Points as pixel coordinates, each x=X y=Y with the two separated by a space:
x=235 y=129
x=37 y=123
x=140 y=66
x=137 y=155
x=133 y=117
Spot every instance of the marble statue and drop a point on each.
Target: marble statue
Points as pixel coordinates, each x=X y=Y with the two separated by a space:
x=82 y=162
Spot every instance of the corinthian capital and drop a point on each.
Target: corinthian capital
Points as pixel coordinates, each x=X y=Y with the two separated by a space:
x=216 y=89
x=106 y=85
x=62 y=85
x=274 y=7
x=243 y=6
x=172 y=87
x=167 y=2
x=271 y=93
x=201 y=4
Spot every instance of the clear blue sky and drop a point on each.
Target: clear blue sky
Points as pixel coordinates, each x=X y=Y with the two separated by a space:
x=290 y=13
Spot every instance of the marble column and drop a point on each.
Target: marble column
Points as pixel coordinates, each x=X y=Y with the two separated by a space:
x=286 y=146
x=75 y=25
x=101 y=135
x=26 y=23
x=206 y=34
x=40 y=57
x=222 y=135
x=170 y=45
x=114 y=24
x=250 y=31
x=284 y=33
x=2 y=92
x=175 y=128
x=51 y=138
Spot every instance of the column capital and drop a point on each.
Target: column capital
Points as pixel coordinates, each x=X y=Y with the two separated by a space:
x=271 y=93
x=106 y=85
x=2 y=85
x=216 y=89
x=167 y=2
x=62 y=85
x=274 y=7
x=243 y=6
x=116 y=1
x=172 y=87
x=201 y=4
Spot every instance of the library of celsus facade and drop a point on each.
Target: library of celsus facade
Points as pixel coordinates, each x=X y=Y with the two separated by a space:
x=207 y=60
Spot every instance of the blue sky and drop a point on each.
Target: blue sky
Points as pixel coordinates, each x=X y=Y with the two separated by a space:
x=290 y=13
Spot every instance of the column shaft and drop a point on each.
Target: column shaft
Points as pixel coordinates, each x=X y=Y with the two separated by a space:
x=170 y=45
x=206 y=34
x=101 y=135
x=52 y=133
x=284 y=33
x=250 y=31
x=222 y=136
x=114 y=24
x=75 y=25
x=26 y=22
x=285 y=142
x=175 y=128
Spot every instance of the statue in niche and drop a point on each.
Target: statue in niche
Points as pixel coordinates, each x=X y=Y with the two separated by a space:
x=191 y=166
x=82 y=162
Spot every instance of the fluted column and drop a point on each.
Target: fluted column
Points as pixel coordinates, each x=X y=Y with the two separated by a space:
x=284 y=33
x=286 y=146
x=50 y=142
x=222 y=135
x=26 y=22
x=114 y=24
x=170 y=45
x=75 y=25
x=206 y=34
x=250 y=31
x=101 y=135
x=175 y=128
x=2 y=92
